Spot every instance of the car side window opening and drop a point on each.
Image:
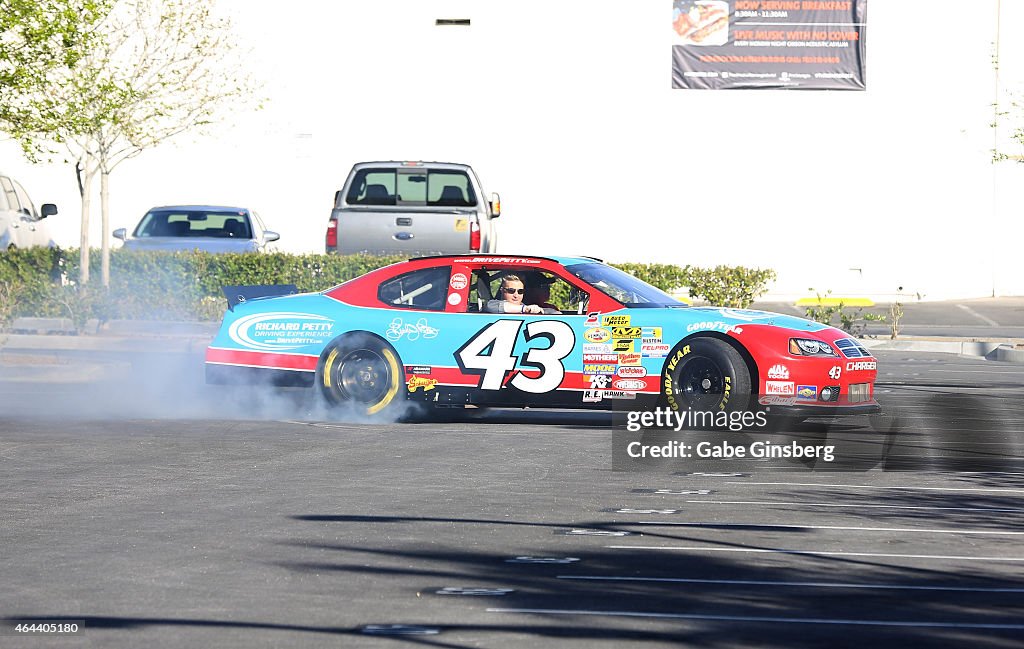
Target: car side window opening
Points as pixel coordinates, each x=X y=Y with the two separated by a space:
x=424 y=289
x=561 y=295
x=12 y=196
x=622 y=287
x=27 y=208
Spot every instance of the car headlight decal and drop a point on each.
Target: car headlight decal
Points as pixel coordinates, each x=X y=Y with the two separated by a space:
x=810 y=347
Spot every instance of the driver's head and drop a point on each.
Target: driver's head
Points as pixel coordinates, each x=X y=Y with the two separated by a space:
x=512 y=289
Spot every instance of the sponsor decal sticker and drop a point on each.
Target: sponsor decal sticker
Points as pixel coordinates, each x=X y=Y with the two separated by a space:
x=600 y=358
x=459 y=281
x=854 y=366
x=591 y=396
x=461 y=225
x=497 y=260
x=807 y=392
x=597 y=335
x=652 y=332
x=724 y=327
x=599 y=369
x=618 y=394
x=625 y=345
x=779 y=371
x=615 y=321
x=626 y=332
x=629 y=384
x=778 y=387
x=600 y=381
x=417 y=369
x=593 y=319
x=454 y=299
x=398 y=329
x=416 y=382
x=630 y=358
x=773 y=400
x=280 y=331
x=597 y=349
x=655 y=350
x=631 y=371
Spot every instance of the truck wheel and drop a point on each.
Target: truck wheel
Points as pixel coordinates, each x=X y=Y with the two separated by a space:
x=705 y=374
x=363 y=372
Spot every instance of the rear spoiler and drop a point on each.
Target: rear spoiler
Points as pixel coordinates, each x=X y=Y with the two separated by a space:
x=238 y=294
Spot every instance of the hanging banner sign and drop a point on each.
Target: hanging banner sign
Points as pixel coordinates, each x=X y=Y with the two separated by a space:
x=776 y=44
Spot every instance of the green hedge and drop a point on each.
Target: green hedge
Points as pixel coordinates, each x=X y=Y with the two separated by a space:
x=187 y=285
x=732 y=286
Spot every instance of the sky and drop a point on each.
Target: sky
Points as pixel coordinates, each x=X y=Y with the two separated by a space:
x=566 y=109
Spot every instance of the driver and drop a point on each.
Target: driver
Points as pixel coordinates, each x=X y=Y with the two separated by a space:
x=512 y=291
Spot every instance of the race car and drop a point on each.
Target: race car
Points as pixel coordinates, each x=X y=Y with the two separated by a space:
x=420 y=331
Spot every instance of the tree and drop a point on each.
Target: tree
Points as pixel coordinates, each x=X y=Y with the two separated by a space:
x=155 y=69
x=38 y=39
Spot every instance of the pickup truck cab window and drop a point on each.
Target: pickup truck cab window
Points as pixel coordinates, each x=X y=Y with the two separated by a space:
x=445 y=188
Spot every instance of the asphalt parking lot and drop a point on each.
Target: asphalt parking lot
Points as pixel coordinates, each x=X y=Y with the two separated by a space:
x=153 y=510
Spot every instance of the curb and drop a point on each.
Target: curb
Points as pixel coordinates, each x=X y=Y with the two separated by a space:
x=1008 y=354
x=1007 y=350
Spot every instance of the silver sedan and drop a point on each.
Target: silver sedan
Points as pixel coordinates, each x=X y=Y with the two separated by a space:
x=208 y=228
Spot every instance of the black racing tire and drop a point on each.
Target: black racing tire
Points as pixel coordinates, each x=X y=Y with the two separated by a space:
x=705 y=374
x=362 y=372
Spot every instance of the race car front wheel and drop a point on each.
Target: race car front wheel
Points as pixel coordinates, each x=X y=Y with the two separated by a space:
x=705 y=374
x=363 y=372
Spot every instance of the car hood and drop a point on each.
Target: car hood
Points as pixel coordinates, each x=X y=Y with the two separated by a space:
x=708 y=315
x=204 y=244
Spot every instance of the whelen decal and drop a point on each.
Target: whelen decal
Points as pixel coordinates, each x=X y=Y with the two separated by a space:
x=280 y=331
x=779 y=387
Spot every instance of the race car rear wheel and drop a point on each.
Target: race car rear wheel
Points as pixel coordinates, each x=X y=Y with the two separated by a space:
x=705 y=374
x=364 y=372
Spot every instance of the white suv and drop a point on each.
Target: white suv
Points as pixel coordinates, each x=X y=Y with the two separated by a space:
x=21 y=226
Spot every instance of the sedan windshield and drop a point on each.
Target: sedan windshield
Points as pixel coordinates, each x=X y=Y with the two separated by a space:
x=622 y=286
x=195 y=223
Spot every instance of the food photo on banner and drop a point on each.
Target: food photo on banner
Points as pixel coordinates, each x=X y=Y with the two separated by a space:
x=771 y=44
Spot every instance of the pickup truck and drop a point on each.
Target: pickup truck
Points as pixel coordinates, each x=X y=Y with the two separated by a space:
x=412 y=208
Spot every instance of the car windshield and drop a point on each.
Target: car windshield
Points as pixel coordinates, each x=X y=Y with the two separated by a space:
x=195 y=223
x=622 y=286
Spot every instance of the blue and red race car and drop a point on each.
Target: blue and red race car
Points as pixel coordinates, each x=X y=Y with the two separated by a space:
x=418 y=331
